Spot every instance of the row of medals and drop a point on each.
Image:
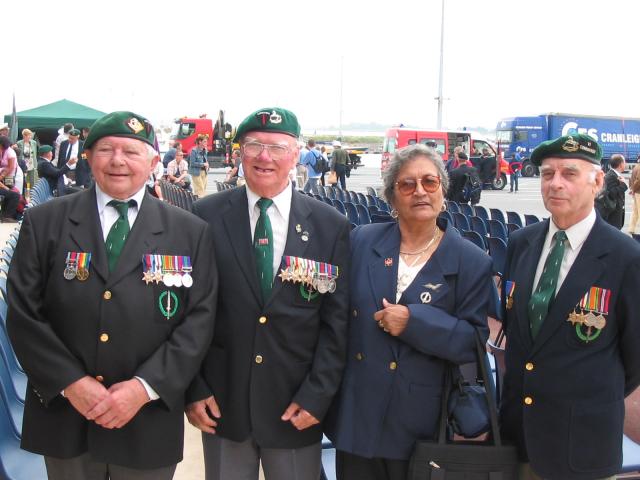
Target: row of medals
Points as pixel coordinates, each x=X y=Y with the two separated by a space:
x=73 y=271
x=319 y=281
x=170 y=278
x=588 y=319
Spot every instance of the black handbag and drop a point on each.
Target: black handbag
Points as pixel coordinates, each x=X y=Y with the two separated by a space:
x=465 y=460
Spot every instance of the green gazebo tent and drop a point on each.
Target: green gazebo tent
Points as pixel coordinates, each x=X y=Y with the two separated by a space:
x=54 y=115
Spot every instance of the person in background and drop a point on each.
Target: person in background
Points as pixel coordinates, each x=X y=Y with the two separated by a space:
x=634 y=191
x=27 y=150
x=515 y=165
x=171 y=153
x=614 y=187
x=309 y=161
x=570 y=312
x=460 y=177
x=339 y=163
x=84 y=133
x=4 y=129
x=323 y=152
x=424 y=304
x=108 y=347
x=199 y=166
x=53 y=175
x=63 y=135
x=233 y=174
x=178 y=171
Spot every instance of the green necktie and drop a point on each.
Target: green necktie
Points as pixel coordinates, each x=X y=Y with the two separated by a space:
x=263 y=248
x=118 y=233
x=546 y=289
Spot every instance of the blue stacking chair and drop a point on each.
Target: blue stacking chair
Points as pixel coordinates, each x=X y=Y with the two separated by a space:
x=530 y=219
x=352 y=213
x=448 y=216
x=453 y=207
x=384 y=206
x=15 y=463
x=362 y=200
x=13 y=403
x=338 y=205
x=512 y=227
x=18 y=378
x=328 y=460
x=317 y=197
x=481 y=212
x=353 y=197
x=498 y=253
x=480 y=227
x=636 y=237
x=328 y=201
x=363 y=213
x=496 y=214
x=330 y=192
x=497 y=229
x=342 y=195
x=514 y=217
x=371 y=191
x=373 y=209
x=475 y=238
x=371 y=201
x=460 y=221
x=466 y=209
x=630 y=456
x=3 y=287
x=321 y=190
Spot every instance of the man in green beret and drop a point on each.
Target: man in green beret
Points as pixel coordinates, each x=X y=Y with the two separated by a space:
x=278 y=351
x=570 y=314
x=73 y=148
x=52 y=174
x=111 y=310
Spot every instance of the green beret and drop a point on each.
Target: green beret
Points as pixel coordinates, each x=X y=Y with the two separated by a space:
x=75 y=132
x=121 y=124
x=44 y=149
x=272 y=119
x=576 y=145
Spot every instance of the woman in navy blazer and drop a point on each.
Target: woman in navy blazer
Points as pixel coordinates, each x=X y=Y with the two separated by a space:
x=419 y=294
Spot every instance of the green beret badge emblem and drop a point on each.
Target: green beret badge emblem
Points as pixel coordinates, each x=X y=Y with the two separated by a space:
x=570 y=145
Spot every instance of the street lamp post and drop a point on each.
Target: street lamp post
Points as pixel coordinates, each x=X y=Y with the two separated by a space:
x=439 y=97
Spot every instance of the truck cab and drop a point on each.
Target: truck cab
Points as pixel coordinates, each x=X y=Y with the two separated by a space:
x=187 y=129
x=445 y=142
x=525 y=132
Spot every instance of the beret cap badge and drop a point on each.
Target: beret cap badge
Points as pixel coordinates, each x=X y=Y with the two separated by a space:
x=135 y=125
x=570 y=145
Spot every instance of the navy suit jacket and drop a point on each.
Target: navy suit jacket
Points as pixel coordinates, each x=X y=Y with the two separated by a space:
x=301 y=342
x=390 y=395
x=82 y=170
x=572 y=427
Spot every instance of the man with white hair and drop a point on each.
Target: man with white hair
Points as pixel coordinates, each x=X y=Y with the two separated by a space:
x=570 y=316
x=112 y=302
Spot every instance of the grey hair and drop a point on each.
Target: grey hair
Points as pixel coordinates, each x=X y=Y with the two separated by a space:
x=405 y=155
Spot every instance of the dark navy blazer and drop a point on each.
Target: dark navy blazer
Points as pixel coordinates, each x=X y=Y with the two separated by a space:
x=390 y=395
x=571 y=427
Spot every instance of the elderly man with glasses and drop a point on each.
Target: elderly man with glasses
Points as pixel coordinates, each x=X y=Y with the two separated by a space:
x=278 y=351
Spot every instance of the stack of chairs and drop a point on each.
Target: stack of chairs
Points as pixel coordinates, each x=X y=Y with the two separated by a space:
x=177 y=196
x=359 y=208
x=40 y=193
x=221 y=186
x=15 y=464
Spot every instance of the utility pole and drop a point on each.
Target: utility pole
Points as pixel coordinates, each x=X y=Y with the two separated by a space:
x=341 y=89
x=439 y=97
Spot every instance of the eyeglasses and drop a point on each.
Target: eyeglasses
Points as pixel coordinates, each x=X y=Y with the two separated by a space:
x=430 y=183
x=276 y=152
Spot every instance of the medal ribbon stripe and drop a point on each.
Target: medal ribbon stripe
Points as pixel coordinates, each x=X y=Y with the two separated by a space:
x=596 y=300
x=510 y=288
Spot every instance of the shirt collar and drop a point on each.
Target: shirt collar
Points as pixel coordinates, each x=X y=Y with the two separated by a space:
x=102 y=199
x=578 y=233
x=281 y=201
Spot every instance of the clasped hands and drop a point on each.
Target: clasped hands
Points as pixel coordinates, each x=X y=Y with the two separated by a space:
x=110 y=408
x=392 y=318
x=204 y=414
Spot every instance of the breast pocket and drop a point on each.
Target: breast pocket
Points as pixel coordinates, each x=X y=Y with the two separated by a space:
x=168 y=304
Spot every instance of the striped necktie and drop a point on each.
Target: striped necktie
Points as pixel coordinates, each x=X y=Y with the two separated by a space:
x=118 y=233
x=263 y=248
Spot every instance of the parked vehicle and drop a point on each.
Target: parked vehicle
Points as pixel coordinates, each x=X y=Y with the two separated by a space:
x=187 y=129
x=444 y=141
x=614 y=134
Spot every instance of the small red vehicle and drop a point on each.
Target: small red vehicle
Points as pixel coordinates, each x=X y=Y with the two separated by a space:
x=187 y=129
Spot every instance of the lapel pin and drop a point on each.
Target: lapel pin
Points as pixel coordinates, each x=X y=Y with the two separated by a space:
x=305 y=236
x=432 y=286
x=425 y=297
x=298 y=228
x=388 y=262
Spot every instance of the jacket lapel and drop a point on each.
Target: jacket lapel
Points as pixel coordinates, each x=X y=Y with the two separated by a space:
x=524 y=276
x=584 y=272
x=141 y=239
x=238 y=226
x=295 y=246
x=86 y=231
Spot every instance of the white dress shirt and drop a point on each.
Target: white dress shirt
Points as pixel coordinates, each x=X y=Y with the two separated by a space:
x=108 y=216
x=576 y=236
x=278 y=214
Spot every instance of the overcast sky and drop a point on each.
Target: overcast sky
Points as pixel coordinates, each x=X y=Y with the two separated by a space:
x=164 y=60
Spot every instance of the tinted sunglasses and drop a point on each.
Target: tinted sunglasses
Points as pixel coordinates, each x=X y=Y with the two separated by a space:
x=430 y=183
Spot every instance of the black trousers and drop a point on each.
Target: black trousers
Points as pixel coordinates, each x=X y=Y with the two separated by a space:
x=341 y=173
x=10 y=203
x=354 y=467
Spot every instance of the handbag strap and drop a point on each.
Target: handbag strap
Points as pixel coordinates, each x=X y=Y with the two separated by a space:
x=481 y=355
